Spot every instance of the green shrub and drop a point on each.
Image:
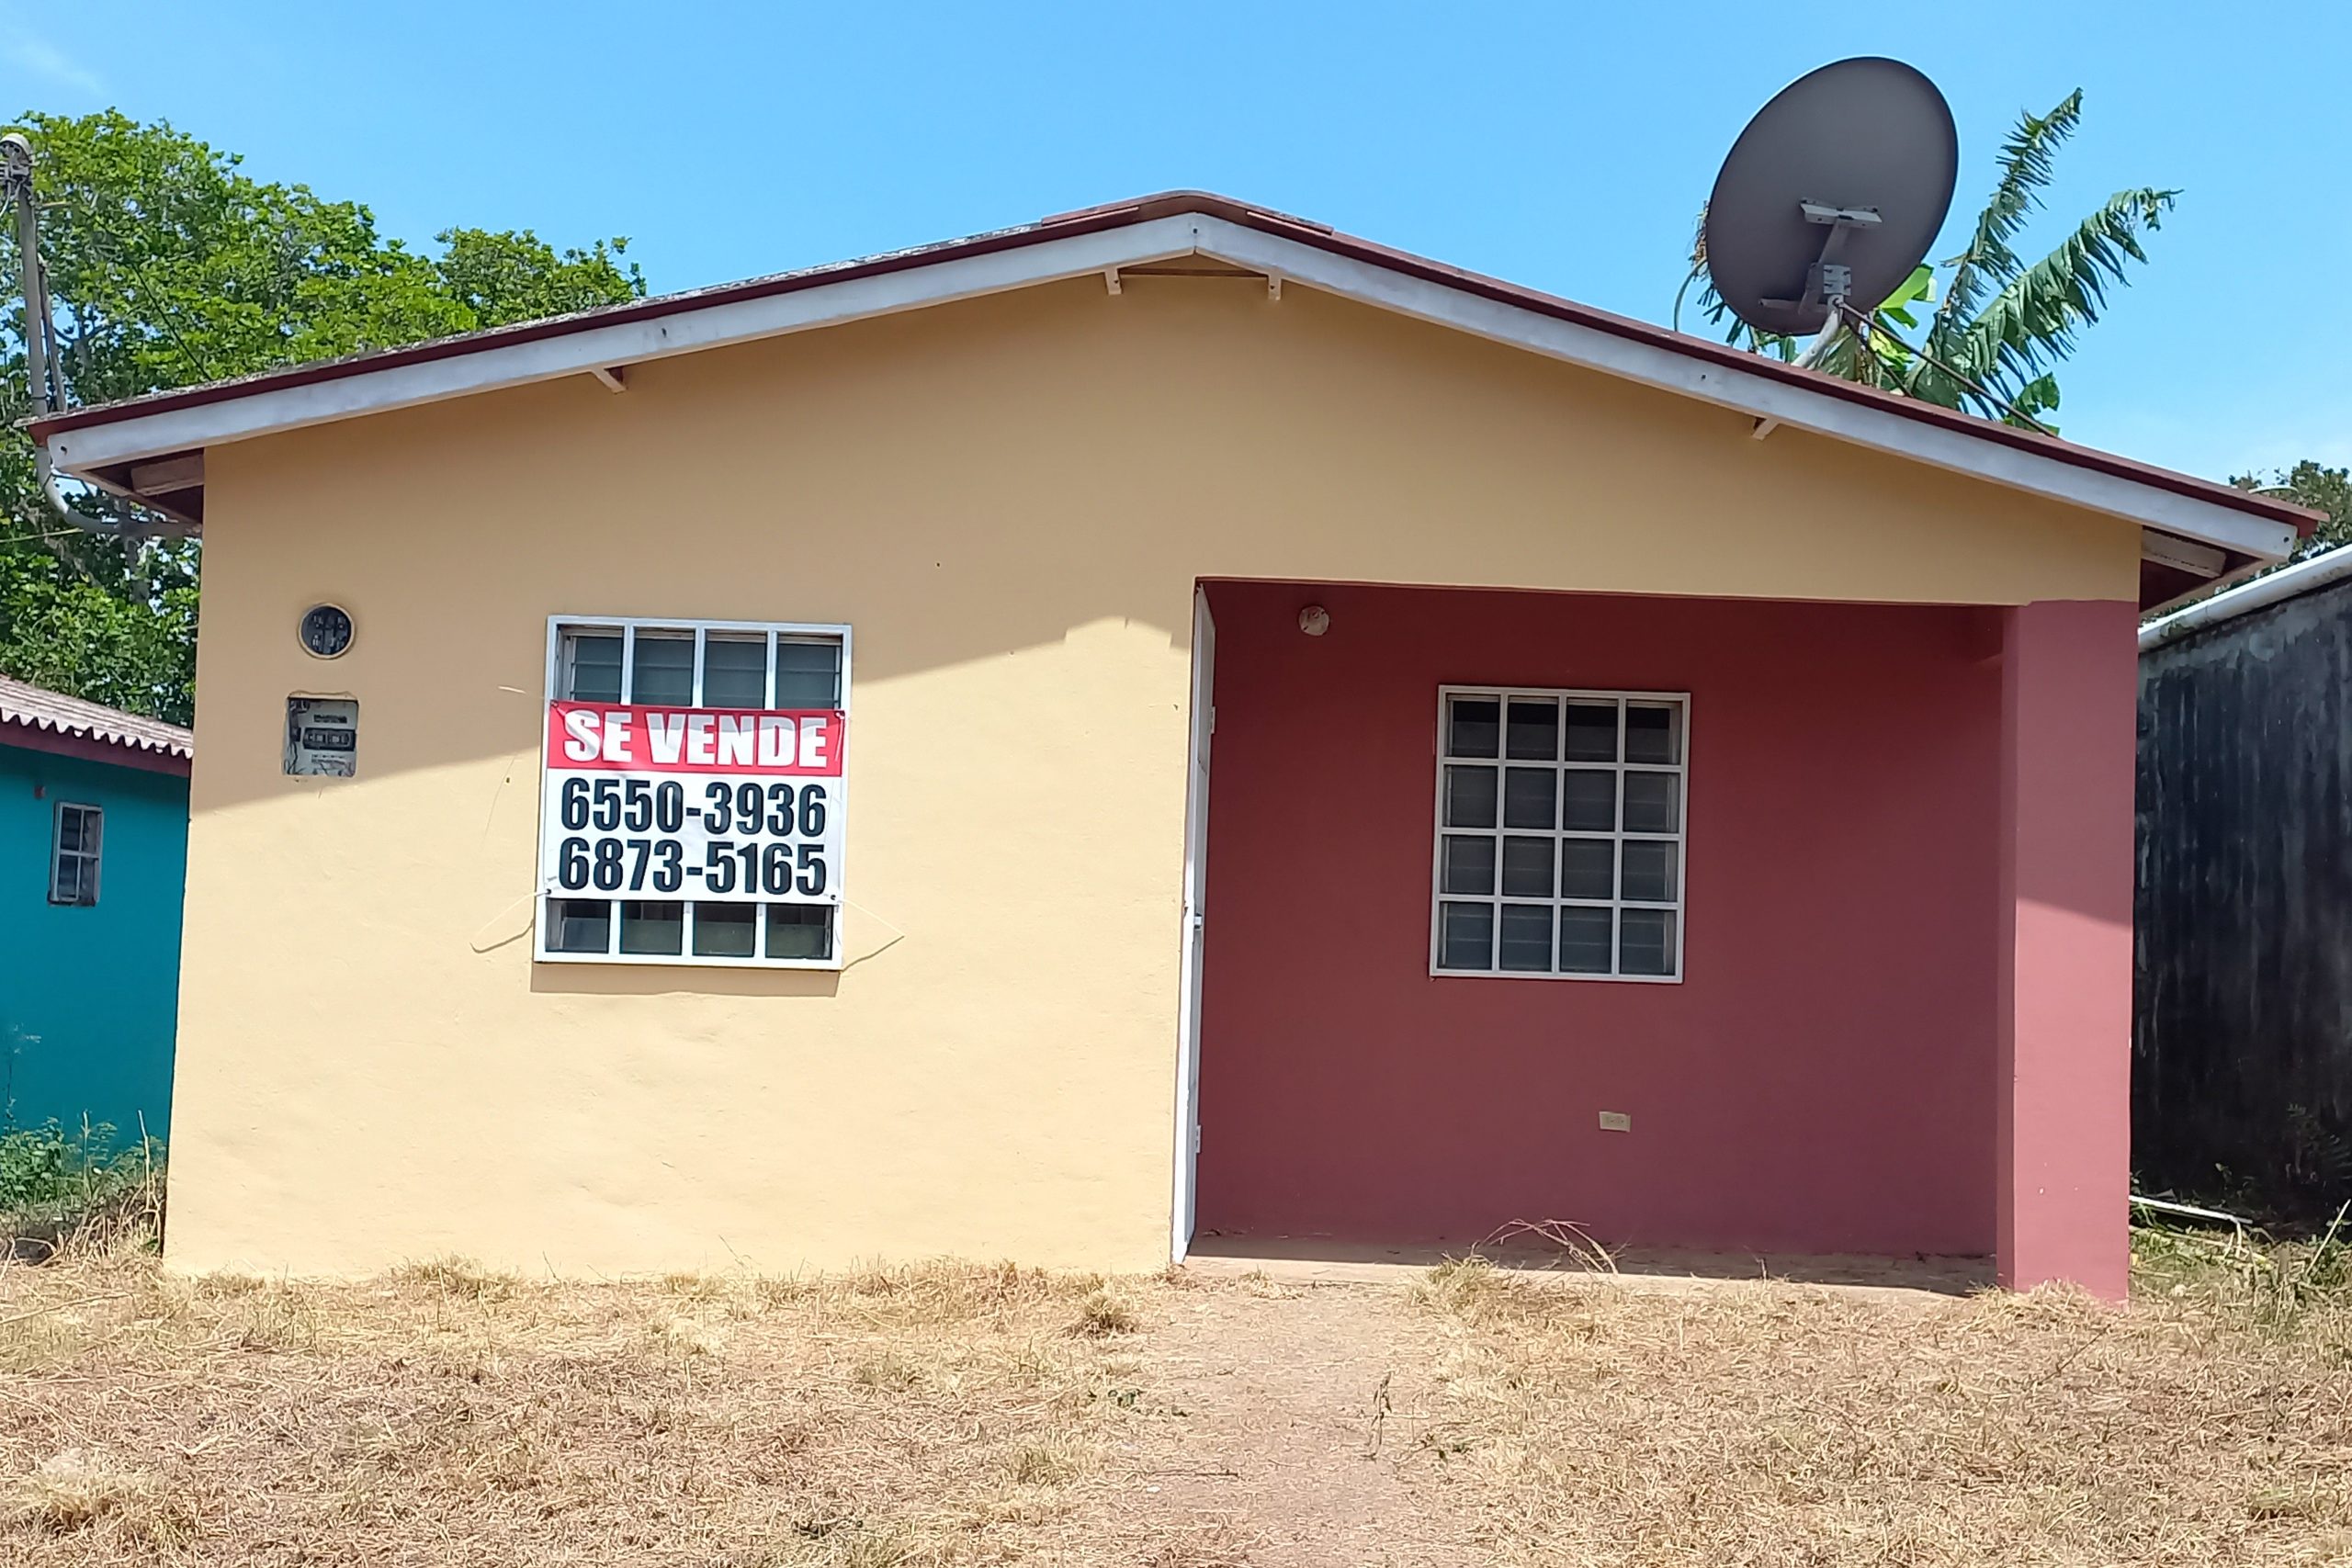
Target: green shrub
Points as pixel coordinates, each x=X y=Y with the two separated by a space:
x=2284 y=1286
x=61 y=1188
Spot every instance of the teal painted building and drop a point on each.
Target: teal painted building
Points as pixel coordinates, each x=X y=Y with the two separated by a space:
x=92 y=862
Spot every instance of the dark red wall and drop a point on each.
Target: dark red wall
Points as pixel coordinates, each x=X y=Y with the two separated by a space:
x=1821 y=1080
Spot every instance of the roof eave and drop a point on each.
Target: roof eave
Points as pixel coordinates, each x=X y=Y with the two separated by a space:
x=30 y=736
x=2235 y=529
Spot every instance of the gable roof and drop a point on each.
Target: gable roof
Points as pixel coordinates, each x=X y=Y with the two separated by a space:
x=43 y=720
x=150 y=448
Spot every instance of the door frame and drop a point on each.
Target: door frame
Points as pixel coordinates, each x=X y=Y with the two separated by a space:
x=1202 y=717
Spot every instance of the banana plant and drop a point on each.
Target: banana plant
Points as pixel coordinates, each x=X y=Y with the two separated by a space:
x=2000 y=325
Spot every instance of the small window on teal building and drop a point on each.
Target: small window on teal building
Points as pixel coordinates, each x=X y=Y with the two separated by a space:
x=74 y=863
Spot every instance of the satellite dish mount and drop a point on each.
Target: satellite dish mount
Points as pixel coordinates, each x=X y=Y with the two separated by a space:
x=1829 y=282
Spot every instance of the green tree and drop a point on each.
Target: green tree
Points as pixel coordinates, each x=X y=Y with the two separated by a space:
x=168 y=265
x=2315 y=485
x=2001 y=324
x=129 y=649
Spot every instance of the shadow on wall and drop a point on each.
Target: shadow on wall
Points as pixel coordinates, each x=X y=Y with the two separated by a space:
x=660 y=980
x=1043 y=473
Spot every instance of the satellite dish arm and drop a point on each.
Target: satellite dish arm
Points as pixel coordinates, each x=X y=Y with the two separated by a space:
x=17 y=190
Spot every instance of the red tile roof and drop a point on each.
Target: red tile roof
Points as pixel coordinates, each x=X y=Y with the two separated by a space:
x=30 y=716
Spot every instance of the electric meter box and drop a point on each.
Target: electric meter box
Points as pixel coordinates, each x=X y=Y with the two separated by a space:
x=323 y=736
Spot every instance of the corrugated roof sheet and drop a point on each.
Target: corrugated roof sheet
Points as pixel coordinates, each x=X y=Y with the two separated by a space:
x=31 y=706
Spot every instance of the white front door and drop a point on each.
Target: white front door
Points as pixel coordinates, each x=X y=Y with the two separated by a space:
x=1196 y=871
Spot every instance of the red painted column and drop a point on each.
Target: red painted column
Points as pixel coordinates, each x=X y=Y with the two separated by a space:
x=2068 y=674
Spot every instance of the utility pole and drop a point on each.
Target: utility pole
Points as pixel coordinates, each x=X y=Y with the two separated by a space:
x=41 y=334
x=16 y=186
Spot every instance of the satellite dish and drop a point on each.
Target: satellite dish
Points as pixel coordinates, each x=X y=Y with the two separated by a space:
x=1834 y=192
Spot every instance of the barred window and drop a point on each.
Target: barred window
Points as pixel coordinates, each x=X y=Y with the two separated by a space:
x=1559 y=833
x=736 y=666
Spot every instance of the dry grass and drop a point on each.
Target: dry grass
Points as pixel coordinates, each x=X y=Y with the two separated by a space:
x=1773 y=1423
x=1102 y=1314
x=943 y=1413
x=448 y=1414
x=68 y=1493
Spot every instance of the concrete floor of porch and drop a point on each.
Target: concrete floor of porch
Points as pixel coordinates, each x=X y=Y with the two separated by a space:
x=1312 y=1259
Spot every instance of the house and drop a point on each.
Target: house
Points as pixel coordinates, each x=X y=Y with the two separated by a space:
x=2241 y=1025
x=1167 y=721
x=93 y=853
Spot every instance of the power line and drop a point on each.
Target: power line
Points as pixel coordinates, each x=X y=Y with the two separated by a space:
x=1861 y=326
x=196 y=363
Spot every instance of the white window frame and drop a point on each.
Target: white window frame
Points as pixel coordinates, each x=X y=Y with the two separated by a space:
x=1617 y=902
x=685 y=957
x=89 y=855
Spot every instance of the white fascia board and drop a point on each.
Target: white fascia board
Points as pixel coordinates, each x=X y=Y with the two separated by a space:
x=593 y=349
x=1761 y=397
x=1162 y=239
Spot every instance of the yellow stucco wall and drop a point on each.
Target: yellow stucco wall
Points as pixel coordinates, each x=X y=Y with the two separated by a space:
x=1010 y=500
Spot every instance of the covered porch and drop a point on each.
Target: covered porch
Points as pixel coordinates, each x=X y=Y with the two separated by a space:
x=1737 y=925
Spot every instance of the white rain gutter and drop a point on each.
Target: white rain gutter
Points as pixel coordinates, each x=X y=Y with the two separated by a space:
x=2227 y=605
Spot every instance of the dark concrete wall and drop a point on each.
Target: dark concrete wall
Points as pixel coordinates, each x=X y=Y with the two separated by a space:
x=2242 y=1042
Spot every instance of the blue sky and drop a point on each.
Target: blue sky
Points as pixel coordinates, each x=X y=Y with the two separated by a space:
x=1564 y=146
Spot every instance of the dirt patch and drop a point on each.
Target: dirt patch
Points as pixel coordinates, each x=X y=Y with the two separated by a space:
x=1290 y=1419
x=955 y=1414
